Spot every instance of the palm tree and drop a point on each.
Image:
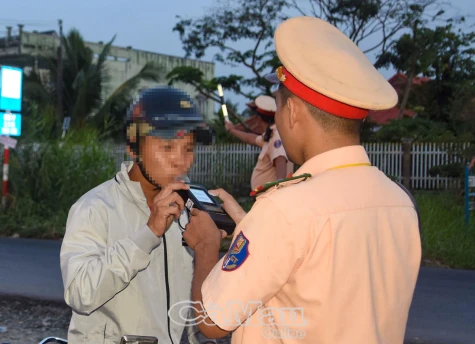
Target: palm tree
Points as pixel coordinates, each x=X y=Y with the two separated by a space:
x=84 y=79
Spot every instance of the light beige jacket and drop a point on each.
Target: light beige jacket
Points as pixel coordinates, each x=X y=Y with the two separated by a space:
x=113 y=268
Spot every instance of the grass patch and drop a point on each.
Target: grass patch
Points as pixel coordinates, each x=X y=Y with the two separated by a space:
x=445 y=237
x=46 y=180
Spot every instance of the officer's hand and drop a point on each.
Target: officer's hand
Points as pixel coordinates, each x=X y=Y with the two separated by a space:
x=201 y=230
x=167 y=206
x=231 y=206
x=228 y=125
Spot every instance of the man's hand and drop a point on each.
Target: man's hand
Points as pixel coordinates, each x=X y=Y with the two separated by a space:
x=167 y=206
x=228 y=125
x=231 y=206
x=202 y=231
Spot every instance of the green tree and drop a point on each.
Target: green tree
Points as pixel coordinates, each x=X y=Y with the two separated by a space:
x=84 y=79
x=412 y=52
x=231 y=25
x=241 y=33
x=369 y=23
x=445 y=54
x=451 y=92
x=418 y=129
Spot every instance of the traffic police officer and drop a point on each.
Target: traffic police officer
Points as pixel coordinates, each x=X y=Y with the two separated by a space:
x=272 y=163
x=331 y=255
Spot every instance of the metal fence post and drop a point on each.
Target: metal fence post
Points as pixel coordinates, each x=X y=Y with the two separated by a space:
x=406 y=162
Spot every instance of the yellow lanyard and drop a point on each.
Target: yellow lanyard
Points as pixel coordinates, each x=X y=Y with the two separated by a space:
x=350 y=165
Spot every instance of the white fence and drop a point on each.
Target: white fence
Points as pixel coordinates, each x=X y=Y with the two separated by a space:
x=232 y=164
x=218 y=165
x=387 y=157
x=425 y=156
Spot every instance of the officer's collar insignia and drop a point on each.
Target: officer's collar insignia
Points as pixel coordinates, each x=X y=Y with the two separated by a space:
x=267 y=186
x=237 y=253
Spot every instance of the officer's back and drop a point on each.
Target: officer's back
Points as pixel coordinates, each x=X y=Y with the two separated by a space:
x=361 y=250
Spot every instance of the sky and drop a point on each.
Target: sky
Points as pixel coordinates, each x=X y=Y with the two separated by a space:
x=142 y=24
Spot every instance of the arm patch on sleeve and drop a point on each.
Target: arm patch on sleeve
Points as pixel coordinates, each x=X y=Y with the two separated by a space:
x=237 y=253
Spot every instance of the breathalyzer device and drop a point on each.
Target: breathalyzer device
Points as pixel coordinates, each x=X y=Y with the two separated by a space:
x=198 y=197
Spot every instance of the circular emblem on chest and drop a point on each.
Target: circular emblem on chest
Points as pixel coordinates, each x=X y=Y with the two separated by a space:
x=277 y=143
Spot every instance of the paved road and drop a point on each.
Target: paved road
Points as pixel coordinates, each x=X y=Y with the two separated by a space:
x=443 y=311
x=30 y=268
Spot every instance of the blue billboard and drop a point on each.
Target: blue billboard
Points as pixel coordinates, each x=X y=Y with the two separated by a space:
x=10 y=124
x=11 y=80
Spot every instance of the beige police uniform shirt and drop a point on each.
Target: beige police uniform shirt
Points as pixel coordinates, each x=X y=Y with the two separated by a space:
x=265 y=171
x=330 y=260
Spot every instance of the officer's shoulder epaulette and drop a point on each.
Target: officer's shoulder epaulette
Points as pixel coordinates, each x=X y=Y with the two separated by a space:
x=280 y=182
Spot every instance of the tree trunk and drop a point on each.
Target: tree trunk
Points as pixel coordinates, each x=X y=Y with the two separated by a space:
x=412 y=72
x=407 y=91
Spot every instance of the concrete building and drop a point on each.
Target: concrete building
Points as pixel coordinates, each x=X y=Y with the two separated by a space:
x=30 y=50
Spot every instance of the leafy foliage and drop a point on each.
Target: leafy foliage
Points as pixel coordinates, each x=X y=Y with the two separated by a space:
x=46 y=179
x=418 y=129
x=363 y=21
x=240 y=33
x=85 y=77
x=229 y=26
x=416 y=53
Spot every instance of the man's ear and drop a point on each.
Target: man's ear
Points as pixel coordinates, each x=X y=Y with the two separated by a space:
x=293 y=108
x=297 y=112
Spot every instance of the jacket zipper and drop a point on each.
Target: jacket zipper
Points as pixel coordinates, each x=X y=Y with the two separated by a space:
x=167 y=285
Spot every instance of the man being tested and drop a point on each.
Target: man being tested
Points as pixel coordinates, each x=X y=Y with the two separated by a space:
x=122 y=258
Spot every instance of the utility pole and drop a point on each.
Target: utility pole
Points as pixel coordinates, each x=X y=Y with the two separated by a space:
x=9 y=36
x=20 y=46
x=59 y=81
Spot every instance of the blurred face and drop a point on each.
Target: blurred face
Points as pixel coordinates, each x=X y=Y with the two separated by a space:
x=164 y=160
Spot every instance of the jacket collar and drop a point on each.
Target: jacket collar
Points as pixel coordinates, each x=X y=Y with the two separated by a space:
x=339 y=157
x=132 y=189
